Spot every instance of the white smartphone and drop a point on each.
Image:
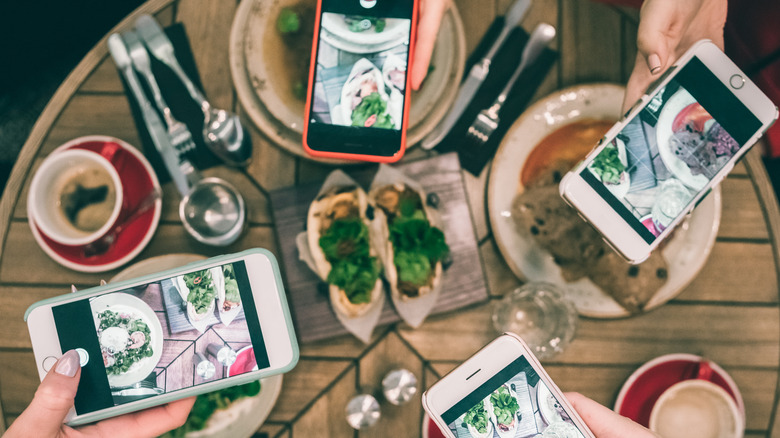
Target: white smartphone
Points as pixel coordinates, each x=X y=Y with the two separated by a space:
x=677 y=142
x=503 y=391
x=187 y=331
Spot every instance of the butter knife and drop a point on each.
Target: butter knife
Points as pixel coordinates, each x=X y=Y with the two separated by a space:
x=476 y=76
x=153 y=123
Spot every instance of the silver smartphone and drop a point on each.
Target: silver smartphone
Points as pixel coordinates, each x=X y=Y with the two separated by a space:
x=677 y=142
x=502 y=390
x=186 y=331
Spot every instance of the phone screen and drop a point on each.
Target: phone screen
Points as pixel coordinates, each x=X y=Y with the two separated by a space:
x=513 y=403
x=360 y=76
x=660 y=161
x=163 y=336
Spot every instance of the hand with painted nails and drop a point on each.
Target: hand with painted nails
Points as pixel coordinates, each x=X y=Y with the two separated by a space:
x=431 y=13
x=54 y=398
x=667 y=28
x=603 y=422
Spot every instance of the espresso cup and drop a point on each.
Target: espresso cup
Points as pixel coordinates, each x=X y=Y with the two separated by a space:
x=696 y=408
x=76 y=195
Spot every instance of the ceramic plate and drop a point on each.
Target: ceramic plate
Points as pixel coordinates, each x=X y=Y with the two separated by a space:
x=243 y=418
x=646 y=384
x=673 y=106
x=259 y=65
x=139 y=180
x=126 y=303
x=685 y=253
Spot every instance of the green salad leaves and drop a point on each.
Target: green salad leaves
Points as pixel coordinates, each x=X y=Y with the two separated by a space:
x=607 y=165
x=372 y=106
x=477 y=417
x=346 y=246
x=138 y=343
x=201 y=291
x=207 y=404
x=418 y=245
x=231 y=284
x=504 y=405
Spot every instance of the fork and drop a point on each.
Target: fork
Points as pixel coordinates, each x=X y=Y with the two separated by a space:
x=179 y=134
x=487 y=120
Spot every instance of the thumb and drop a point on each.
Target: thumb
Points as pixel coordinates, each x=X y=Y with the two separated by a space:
x=53 y=400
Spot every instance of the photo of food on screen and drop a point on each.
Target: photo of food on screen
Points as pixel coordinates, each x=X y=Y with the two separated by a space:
x=360 y=75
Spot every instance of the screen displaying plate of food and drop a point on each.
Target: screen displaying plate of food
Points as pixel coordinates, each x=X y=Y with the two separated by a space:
x=542 y=239
x=130 y=337
x=270 y=53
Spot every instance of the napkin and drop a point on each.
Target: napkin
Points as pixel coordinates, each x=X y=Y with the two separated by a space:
x=474 y=158
x=183 y=107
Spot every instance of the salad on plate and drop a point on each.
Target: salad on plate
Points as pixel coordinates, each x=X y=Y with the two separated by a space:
x=477 y=421
x=125 y=341
x=505 y=409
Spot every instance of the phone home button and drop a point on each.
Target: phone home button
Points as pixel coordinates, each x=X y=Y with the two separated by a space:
x=736 y=81
x=48 y=362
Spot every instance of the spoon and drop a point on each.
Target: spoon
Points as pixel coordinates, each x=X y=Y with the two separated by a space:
x=104 y=243
x=223 y=132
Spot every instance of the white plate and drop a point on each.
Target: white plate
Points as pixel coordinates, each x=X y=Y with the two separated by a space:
x=122 y=302
x=339 y=36
x=543 y=398
x=663 y=132
x=243 y=418
x=685 y=253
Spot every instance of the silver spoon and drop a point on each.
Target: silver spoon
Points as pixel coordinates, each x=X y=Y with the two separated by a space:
x=222 y=131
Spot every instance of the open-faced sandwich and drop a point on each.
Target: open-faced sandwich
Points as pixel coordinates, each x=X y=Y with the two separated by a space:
x=477 y=421
x=413 y=247
x=228 y=296
x=505 y=408
x=339 y=241
x=201 y=295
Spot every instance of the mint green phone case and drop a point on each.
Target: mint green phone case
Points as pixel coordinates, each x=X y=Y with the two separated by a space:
x=195 y=390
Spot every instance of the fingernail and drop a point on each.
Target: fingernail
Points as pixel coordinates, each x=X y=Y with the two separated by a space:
x=654 y=62
x=68 y=364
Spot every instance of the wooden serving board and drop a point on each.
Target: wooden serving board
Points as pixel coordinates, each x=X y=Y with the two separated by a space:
x=463 y=283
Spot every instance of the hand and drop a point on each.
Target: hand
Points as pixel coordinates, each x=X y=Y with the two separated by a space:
x=667 y=28
x=431 y=13
x=603 y=422
x=54 y=398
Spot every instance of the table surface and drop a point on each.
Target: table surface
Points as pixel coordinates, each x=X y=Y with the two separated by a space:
x=729 y=313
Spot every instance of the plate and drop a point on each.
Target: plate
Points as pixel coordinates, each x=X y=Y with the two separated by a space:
x=674 y=105
x=543 y=399
x=243 y=418
x=642 y=389
x=259 y=67
x=685 y=252
x=339 y=36
x=122 y=302
x=136 y=235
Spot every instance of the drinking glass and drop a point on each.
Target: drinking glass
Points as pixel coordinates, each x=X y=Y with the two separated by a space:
x=540 y=314
x=672 y=198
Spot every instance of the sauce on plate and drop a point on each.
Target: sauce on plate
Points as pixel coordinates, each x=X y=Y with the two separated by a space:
x=569 y=144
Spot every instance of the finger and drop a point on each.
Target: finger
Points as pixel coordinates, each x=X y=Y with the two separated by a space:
x=52 y=401
x=661 y=26
x=147 y=423
x=603 y=422
x=638 y=82
x=427 y=30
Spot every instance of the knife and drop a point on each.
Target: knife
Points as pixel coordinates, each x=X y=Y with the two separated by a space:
x=476 y=76
x=153 y=123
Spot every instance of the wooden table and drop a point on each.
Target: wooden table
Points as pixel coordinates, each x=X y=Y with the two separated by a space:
x=729 y=313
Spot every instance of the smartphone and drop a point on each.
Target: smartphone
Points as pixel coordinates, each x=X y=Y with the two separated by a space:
x=676 y=143
x=502 y=390
x=357 y=105
x=187 y=331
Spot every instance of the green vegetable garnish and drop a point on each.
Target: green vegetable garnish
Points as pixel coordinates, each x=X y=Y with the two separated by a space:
x=358 y=23
x=288 y=21
x=346 y=246
x=607 y=165
x=372 y=105
x=504 y=405
x=477 y=417
x=201 y=291
x=231 y=285
x=207 y=404
x=121 y=361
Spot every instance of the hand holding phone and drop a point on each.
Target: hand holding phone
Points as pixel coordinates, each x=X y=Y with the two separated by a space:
x=187 y=331
x=500 y=390
x=358 y=97
x=676 y=143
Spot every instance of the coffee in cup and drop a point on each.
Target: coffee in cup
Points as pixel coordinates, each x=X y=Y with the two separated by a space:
x=75 y=196
x=696 y=409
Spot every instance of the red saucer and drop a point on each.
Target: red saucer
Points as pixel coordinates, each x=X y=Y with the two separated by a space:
x=430 y=429
x=245 y=362
x=645 y=385
x=138 y=180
